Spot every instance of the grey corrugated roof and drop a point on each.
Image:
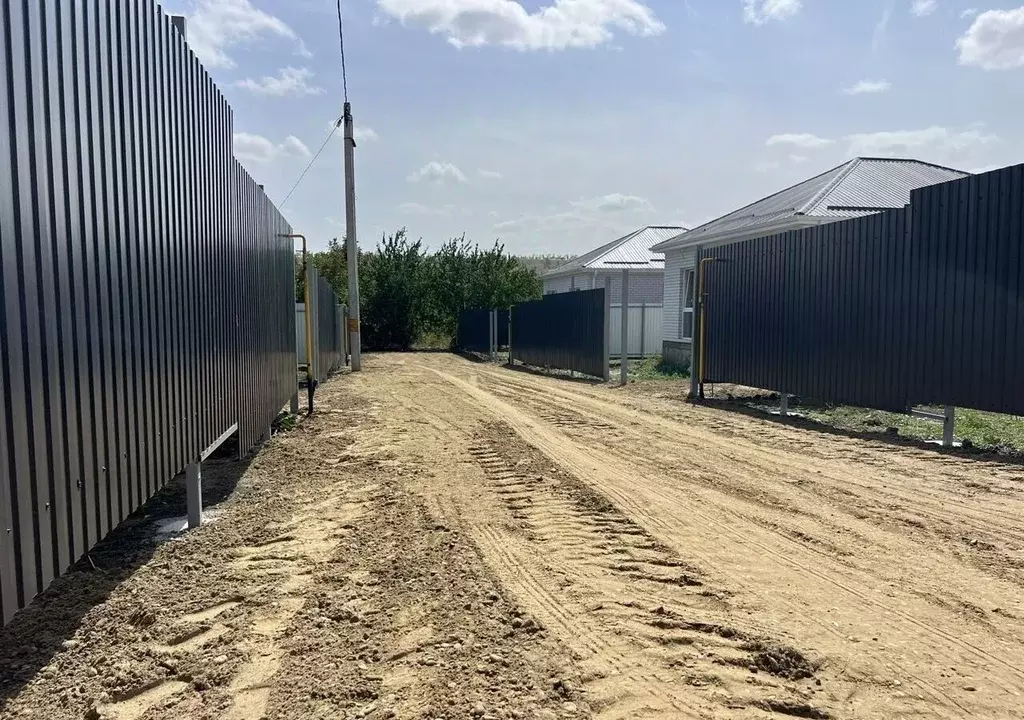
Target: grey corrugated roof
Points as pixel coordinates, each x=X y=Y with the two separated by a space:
x=857 y=187
x=631 y=252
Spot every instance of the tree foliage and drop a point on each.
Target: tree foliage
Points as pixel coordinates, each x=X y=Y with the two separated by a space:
x=410 y=296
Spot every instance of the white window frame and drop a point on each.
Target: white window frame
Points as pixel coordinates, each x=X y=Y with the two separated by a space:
x=687 y=278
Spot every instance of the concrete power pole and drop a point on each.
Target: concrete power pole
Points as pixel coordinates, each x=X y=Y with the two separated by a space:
x=351 y=245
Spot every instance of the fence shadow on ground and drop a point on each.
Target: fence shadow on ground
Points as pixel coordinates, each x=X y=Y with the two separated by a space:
x=741 y=406
x=553 y=373
x=32 y=638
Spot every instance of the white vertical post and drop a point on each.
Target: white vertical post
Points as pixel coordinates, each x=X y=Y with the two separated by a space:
x=607 y=328
x=643 y=329
x=694 y=324
x=624 y=370
x=948 y=426
x=351 y=245
x=784 y=404
x=194 y=493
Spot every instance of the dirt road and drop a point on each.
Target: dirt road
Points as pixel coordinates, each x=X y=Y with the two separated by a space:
x=449 y=539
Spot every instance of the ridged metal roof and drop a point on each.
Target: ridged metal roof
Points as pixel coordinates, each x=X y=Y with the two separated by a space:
x=630 y=252
x=858 y=187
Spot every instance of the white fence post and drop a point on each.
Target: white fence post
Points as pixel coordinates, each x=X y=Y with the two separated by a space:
x=643 y=329
x=623 y=371
x=607 y=328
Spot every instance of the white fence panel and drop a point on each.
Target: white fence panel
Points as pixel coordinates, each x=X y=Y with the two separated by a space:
x=300 y=332
x=644 y=330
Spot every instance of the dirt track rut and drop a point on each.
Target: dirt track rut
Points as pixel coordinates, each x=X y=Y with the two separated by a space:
x=448 y=539
x=705 y=564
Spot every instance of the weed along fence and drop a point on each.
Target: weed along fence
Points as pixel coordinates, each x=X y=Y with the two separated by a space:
x=147 y=293
x=328 y=321
x=918 y=306
x=568 y=331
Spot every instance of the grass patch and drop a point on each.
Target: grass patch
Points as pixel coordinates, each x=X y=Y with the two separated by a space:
x=988 y=431
x=655 y=368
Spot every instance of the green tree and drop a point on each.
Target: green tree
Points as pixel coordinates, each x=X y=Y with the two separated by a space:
x=409 y=295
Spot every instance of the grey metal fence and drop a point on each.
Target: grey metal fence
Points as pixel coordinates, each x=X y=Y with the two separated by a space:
x=328 y=322
x=568 y=331
x=906 y=307
x=145 y=297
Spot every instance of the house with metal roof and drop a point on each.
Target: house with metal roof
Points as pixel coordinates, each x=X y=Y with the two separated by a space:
x=861 y=186
x=603 y=267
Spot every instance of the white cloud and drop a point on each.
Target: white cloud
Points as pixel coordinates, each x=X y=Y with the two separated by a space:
x=921 y=8
x=605 y=211
x=759 y=12
x=439 y=173
x=412 y=208
x=615 y=202
x=995 y=41
x=800 y=140
x=489 y=174
x=868 y=86
x=563 y=24
x=969 y=12
x=218 y=25
x=365 y=134
x=289 y=81
x=798 y=159
x=259 y=149
x=935 y=139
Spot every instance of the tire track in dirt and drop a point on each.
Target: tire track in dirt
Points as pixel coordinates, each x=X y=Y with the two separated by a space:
x=773 y=459
x=849 y=530
x=641 y=601
x=596 y=463
x=652 y=638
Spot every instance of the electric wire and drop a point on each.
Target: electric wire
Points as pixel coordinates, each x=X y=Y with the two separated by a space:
x=334 y=129
x=341 y=40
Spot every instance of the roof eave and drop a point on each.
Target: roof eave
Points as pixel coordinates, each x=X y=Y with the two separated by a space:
x=794 y=222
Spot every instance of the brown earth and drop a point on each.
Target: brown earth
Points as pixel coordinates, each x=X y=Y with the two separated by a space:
x=447 y=539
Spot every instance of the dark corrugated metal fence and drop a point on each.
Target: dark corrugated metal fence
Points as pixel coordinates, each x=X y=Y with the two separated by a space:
x=563 y=330
x=146 y=298
x=329 y=326
x=474 y=332
x=922 y=305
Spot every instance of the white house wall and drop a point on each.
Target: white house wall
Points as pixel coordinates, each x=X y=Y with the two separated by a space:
x=644 y=287
x=675 y=261
x=557 y=285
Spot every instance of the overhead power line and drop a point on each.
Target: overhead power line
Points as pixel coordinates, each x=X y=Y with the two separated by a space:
x=341 y=40
x=334 y=129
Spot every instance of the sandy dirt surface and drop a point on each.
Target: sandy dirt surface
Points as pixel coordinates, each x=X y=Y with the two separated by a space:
x=448 y=539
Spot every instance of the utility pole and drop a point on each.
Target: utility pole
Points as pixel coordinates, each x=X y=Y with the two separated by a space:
x=351 y=245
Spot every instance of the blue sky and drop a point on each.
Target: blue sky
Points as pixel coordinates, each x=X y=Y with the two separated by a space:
x=558 y=125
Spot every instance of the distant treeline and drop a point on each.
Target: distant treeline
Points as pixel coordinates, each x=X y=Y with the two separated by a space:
x=411 y=297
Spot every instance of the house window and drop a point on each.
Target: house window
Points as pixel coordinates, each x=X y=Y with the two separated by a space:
x=686 y=297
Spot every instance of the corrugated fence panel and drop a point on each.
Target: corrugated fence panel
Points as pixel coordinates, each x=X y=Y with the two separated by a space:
x=967 y=241
x=901 y=308
x=474 y=332
x=146 y=297
x=328 y=324
x=564 y=330
x=803 y=312
x=644 y=328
